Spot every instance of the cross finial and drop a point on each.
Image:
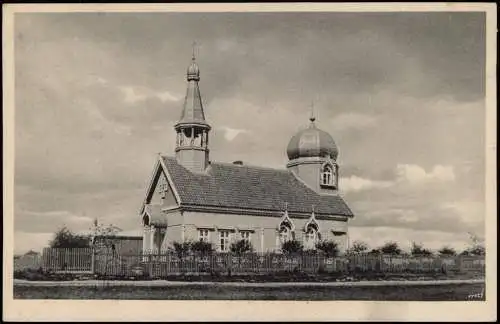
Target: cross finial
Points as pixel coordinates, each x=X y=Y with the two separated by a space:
x=286 y=205
x=313 y=208
x=312 y=118
x=194 y=45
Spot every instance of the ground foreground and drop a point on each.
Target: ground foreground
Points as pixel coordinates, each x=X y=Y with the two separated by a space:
x=217 y=291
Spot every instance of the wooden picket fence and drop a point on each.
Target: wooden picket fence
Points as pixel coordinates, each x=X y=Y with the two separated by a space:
x=68 y=260
x=161 y=265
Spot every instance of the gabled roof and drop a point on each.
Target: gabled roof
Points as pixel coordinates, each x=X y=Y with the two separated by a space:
x=228 y=185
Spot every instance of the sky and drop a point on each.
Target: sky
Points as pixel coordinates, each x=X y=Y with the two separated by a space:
x=402 y=94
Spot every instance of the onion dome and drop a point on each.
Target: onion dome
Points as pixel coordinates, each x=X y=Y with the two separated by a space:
x=312 y=142
x=193 y=71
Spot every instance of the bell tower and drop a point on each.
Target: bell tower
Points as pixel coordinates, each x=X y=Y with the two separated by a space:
x=312 y=155
x=192 y=130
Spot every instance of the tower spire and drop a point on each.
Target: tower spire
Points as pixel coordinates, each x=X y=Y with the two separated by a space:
x=192 y=129
x=194 y=46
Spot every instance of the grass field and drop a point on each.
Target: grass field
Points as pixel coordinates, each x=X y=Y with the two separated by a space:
x=454 y=292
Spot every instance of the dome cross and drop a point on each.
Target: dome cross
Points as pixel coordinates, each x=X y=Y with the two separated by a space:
x=312 y=118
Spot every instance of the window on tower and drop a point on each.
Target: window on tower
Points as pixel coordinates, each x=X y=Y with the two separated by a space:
x=328 y=176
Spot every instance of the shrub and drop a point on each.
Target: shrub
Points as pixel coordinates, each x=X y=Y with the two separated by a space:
x=476 y=246
x=182 y=249
x=390 y=248
x=446 y=251
x=202 y=247
x=418 y=250
x=64 y=238
x=292 y=246
x=330 y=248
x=478 y=250
x=358 y=247
x=240 y=247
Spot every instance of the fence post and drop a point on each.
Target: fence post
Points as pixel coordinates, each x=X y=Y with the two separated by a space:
x=460 y=263
x=150 y=261
x=92 y=265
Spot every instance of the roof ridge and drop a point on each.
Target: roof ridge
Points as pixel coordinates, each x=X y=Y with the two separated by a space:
x=253 y=166
x=248 y=166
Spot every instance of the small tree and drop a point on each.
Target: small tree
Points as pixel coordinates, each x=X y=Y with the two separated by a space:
x=292 y=247
x=240 y=247
x=182 y=248
x=102 y=238
x=447 y=251
x=476 y=246
x=418 y=250
x=64 y=238
x=330 y=248
x=358 y=247
x=102 y=242
x=390 y=248
x=202 y=247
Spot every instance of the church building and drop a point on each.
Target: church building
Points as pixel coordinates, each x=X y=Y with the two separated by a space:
x=191 y=197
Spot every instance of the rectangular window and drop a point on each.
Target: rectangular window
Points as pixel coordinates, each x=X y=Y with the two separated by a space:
x=245 y=235
x=203 y=235
x=224 y=240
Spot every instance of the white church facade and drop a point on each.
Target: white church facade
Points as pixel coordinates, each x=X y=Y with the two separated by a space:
x=191 y=198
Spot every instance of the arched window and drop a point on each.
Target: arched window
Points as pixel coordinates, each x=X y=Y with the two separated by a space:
x=145 y=219
x=311 y=236
x=328 y=176
x=285 y=232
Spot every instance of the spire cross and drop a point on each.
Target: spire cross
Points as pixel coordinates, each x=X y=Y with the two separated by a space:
x=194 y=45
x=313 y=209
x=312 y=118
x=286 y=205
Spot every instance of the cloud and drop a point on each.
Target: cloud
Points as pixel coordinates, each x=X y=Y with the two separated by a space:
x=99 y=122
x=411 y=173
x=25 y=241
x=135 y=94
x=36 y=220
x=416 y=174
x=353 y=121
x=132 y=94
x=231 y=133
x=166 y=96
x=354 y=183
x=471 y=212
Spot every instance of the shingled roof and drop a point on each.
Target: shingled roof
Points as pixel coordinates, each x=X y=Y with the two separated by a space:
x=247 y=187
